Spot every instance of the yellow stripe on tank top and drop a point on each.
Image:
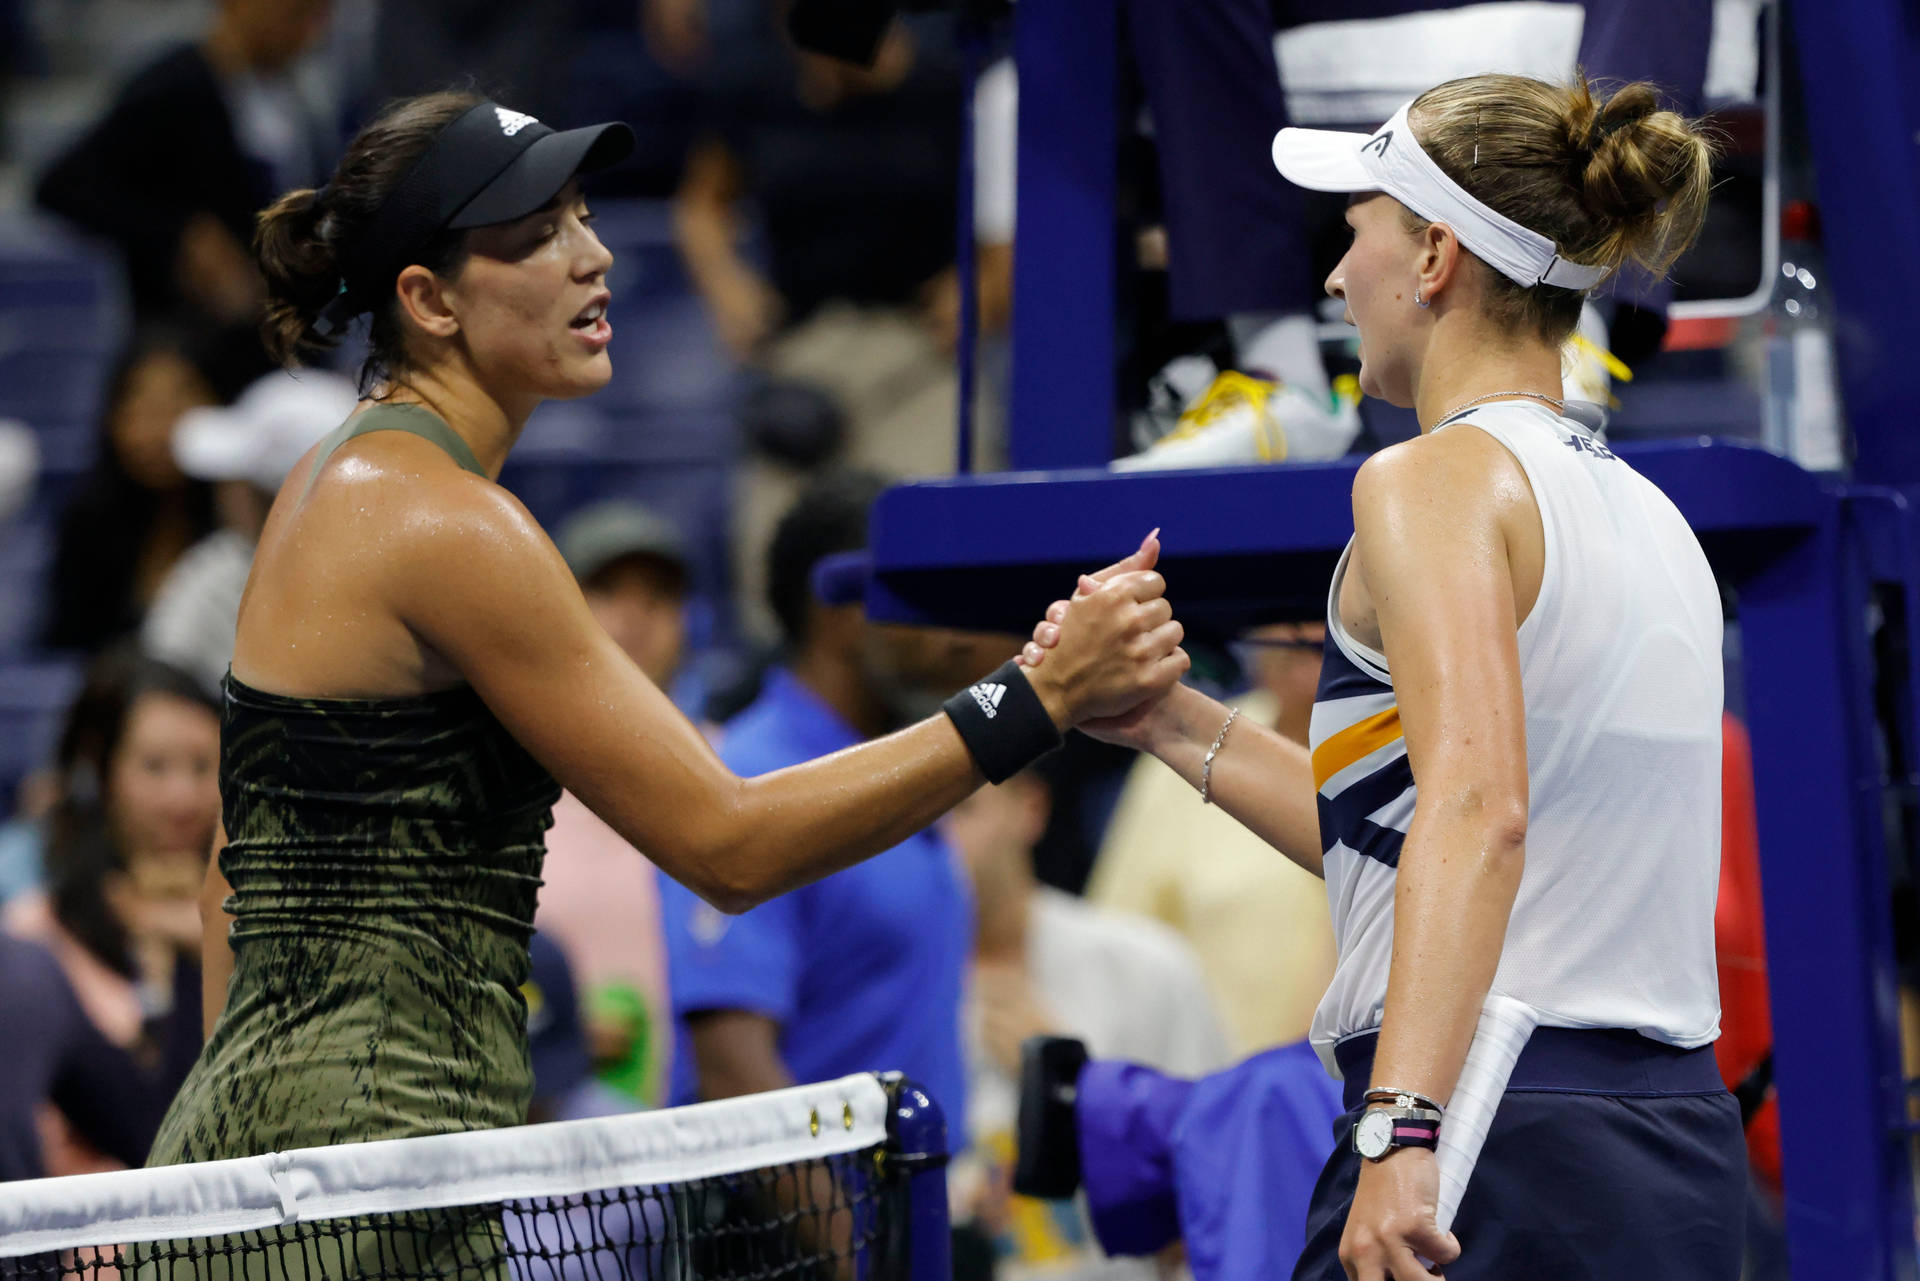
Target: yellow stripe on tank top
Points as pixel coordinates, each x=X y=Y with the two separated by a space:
x=1362 y=738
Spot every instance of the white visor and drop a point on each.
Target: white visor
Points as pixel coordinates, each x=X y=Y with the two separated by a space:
x=1390 y=160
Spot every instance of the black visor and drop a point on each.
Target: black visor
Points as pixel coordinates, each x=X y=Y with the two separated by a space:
x=489 y=166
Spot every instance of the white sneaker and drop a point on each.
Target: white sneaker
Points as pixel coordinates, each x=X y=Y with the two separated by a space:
x=1242 y=419
x=1181 y=382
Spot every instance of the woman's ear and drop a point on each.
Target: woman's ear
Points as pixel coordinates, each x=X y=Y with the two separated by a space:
x=424 y=302
x=1439 y=259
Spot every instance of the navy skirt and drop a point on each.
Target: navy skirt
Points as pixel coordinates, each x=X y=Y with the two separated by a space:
x=1611 y=1156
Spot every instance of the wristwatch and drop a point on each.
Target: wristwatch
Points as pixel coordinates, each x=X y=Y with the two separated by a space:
x=1382 y=1129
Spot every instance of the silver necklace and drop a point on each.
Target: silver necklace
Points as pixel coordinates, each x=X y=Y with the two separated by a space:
x=1559 y=405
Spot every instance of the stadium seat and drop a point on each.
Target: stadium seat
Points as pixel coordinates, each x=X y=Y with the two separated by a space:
x=33 y=697
x=25 y=548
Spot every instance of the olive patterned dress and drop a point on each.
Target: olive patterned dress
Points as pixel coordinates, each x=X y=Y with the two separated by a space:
x=384 y=856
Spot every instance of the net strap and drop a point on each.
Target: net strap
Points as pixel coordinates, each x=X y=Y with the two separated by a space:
x=475 y=1167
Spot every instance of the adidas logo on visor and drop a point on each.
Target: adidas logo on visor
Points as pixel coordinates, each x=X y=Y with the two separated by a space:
x=512 y=122
x=989 y=696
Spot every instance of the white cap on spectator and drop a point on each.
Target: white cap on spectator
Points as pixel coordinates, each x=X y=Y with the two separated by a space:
x=263 y=434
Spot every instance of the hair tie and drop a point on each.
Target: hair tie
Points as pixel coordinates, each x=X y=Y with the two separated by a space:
x=1603 y=130
x=336 y=315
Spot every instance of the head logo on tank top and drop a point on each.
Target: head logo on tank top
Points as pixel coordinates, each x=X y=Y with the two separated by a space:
x=1588 y=445
x=512 y=122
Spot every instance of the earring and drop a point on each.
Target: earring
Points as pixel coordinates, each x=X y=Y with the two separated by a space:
x=1418 y=300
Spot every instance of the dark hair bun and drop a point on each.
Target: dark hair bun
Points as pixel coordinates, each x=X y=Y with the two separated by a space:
x=298 y=238
x=302 y=271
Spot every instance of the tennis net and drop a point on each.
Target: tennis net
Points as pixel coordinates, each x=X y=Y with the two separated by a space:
x=817 y=1181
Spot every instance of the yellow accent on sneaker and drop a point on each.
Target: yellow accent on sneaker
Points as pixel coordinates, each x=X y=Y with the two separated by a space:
x=1615 y=366
x=1231 y=390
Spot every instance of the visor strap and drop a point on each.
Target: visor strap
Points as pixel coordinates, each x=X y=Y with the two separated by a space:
x=1571 y=275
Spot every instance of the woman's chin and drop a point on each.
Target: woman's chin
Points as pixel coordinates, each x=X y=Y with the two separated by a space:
x=585 y=378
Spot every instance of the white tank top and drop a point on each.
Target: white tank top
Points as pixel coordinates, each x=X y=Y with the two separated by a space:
x=1620 y=667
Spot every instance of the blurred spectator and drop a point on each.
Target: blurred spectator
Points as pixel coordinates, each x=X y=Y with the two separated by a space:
x=850 y=176
x=862 y=970
x=614 y=71
x=1259 y=923
x=192 y=147
x=57 y=1059
x=135 y=512
x=245 y=452
x=1049 y=964
x=125 y=855
x=1226 y=1164
x=632 y=565
x=852 y=173
x=516 y=53
x=564 y=1088
x=600 y=898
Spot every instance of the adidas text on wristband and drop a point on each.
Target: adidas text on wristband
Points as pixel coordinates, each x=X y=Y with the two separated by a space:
x=1003 y=723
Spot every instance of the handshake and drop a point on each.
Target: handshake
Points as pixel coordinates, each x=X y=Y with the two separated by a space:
x=1103 y=660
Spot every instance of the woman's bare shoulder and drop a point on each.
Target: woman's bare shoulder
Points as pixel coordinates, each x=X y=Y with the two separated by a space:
x=1467 y=472
x=392 y=535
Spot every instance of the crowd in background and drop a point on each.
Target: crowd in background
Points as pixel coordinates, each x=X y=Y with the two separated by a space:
x=811 y=206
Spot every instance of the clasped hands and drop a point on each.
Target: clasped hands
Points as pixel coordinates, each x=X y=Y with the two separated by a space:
x=1110 y=652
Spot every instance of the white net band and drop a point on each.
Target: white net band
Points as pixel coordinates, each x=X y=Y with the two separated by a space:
x=560 y=1159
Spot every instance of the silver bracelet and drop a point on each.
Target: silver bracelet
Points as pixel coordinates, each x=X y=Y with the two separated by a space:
x=1206 y=766
x=1402 y=1098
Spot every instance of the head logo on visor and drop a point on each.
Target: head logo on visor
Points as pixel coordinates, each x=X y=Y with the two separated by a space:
x=1326 y=160
x=490 y=165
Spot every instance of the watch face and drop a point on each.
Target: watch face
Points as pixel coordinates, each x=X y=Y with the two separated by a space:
x=1373 y=1134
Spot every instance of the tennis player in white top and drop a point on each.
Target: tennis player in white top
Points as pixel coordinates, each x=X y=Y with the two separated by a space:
x=1513 y=782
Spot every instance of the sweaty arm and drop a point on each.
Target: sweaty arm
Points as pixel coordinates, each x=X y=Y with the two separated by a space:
x=216 y=953
x=1435 y=522
x=485 y=588
x=736 y=1052
x=1262 y=778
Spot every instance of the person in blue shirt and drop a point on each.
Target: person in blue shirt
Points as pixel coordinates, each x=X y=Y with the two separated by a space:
x=860 y=971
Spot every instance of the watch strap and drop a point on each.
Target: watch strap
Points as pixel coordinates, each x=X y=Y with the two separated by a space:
x=1411 y=1128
